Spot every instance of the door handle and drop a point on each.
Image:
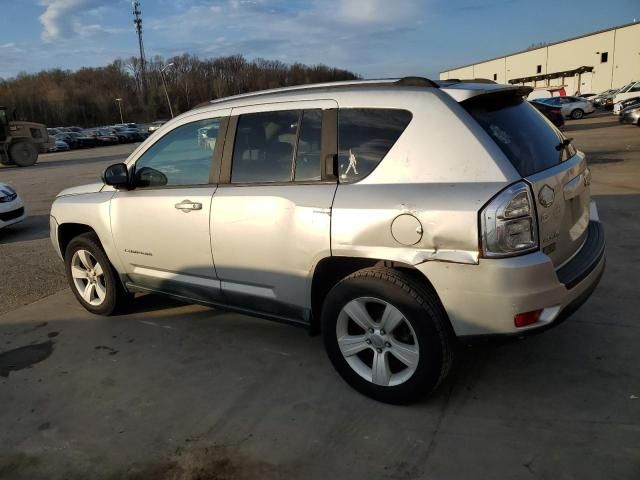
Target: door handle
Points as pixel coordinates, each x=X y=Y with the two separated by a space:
x=187 y=205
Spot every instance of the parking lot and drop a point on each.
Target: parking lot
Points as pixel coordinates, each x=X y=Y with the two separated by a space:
x=173 y=391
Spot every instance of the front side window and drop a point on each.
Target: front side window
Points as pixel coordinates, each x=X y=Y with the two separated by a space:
x=181 y=157
x=635 y=88
x=365 y=136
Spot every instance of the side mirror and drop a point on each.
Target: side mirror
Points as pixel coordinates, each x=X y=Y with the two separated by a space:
x=117 y=175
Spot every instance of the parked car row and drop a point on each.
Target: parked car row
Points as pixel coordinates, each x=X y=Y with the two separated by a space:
x=75 y=137
x=624 y=101
x=611 y=99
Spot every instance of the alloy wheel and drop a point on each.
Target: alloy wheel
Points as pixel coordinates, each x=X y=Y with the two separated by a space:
x=377 y=341
x=88 y=277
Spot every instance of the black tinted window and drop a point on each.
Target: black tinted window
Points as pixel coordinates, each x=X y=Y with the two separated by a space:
x=365 y=135
x=181 y=157
x=527 y=138
x=308 y=153
x=264 y=146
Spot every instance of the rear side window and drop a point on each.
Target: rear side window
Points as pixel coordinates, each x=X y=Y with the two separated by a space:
x=527 y=138
x=264 y=146
x=307 y=158
x=365 y=136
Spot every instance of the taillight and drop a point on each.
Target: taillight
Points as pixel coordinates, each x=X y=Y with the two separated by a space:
x=508 y=223
x=556 y=111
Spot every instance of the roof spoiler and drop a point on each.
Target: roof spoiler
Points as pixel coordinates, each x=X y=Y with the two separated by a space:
x=488 y=95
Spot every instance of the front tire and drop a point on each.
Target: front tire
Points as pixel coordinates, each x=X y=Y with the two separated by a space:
x=387 y=335
x=92 y=278
x=577 y=114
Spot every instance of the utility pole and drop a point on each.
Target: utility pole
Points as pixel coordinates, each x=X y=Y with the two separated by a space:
x=119 y=100
x=137 y=21
x=164 y=84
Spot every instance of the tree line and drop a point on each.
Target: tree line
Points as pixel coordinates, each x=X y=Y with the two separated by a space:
x=87 y=97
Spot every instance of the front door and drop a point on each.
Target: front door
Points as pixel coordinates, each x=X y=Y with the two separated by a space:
x=271 y=218
x=161 y=228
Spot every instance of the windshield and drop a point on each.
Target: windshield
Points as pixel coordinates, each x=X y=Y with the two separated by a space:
x=527 y=138
x=625 y=88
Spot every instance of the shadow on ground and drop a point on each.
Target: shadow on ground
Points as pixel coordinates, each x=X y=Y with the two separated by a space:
x=34 y=227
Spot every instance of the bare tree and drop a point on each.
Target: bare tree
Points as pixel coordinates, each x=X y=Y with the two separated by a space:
x=87 y=96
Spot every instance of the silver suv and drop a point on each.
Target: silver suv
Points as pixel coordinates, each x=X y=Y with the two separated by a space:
x=393 y=216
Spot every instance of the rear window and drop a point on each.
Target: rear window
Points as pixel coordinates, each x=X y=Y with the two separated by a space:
x=530 y=141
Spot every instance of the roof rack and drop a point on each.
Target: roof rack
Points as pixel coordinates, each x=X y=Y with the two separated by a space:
x=467 y=80
x=416 y=82
x=401 y=82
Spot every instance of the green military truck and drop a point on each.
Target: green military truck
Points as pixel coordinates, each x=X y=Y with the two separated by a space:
x=21 y=142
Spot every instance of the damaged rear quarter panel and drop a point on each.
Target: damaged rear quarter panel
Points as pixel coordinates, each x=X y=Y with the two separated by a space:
x=362 y=216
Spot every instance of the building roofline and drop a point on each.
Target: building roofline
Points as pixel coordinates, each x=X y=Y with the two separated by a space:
x=597 y=32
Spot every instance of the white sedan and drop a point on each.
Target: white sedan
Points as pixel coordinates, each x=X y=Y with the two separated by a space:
x=572 y=107
x=11 y=207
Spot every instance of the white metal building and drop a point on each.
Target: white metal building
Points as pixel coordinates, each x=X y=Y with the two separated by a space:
x=589 y=63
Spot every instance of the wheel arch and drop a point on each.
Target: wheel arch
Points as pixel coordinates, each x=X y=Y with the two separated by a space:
x=68 y=231
x=330 y=270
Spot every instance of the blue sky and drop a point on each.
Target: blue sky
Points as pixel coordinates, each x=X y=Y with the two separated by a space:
x=376 y=38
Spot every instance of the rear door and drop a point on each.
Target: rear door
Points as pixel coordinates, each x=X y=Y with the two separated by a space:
x=271 y=214
x=558 y=174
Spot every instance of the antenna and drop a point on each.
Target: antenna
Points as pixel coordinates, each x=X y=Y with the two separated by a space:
x=137 y=21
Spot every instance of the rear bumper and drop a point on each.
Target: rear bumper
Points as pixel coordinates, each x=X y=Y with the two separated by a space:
x=483 y=299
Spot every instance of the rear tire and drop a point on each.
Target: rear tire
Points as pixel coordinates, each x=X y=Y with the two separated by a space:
x=92 y=278
x=387 y=335
x=577 y=114
x=23 y=154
